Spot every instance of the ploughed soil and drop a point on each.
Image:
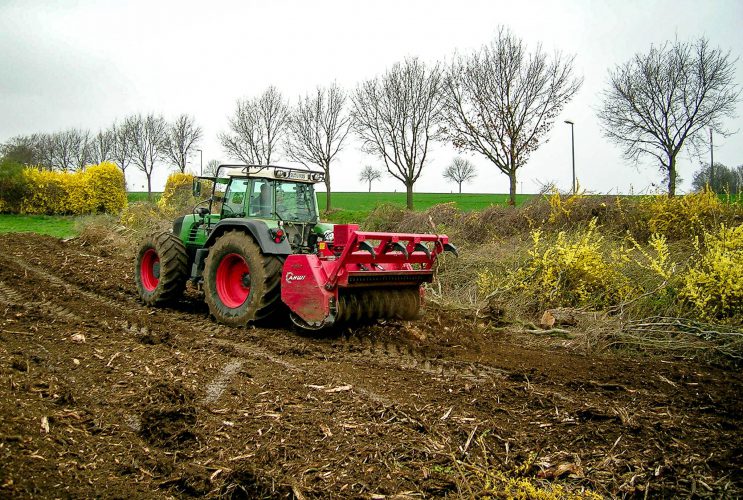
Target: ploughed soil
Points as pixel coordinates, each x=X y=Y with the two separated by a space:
x=102 y=396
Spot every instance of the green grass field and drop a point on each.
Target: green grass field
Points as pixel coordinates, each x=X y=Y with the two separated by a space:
x=133 y=196
x=53 y=225
x=421 y=201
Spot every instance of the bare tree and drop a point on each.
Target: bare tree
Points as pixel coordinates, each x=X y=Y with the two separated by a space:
x=502 y=100
x=81 y=151
x=256 y=128
x=317 y=128
x=65 y=147
x=122 y=151
x=101 y=147
x=460 y=170
x=211 y=168
x=182 y=137
x=369 y=174
x=146 y=135
x=27 y=150
x=658 y=101
x=44 y=147
x=397 y=115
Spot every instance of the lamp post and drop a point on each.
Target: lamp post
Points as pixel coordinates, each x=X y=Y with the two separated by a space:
x=201 y=162
x=572 y=141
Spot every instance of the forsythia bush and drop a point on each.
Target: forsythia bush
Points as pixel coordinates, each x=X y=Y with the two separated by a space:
x=178 y=193
x=100 y=188
x=47 y=193
x=571 y=270
x=714 y=283
x=105 y=184
x=681 y=216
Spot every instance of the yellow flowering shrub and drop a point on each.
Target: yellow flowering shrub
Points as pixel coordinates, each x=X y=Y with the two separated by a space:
x=562 y=206
x=713 y=284
x=178 y=193
x=98 y=189
x=571 y=270
x=79 y=198
x=47 y=193
x=105 y=185
x=681 y=216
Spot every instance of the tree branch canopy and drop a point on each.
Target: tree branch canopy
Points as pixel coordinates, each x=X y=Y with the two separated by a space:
x=256 y=128
x=501 y=101
x=659 y=101
x=397 y=115
x=317 y=128
x=181 y=138
x=460 y=170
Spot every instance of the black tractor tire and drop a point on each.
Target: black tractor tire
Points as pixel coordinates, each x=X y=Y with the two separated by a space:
x=241 y=284
x=161 y=270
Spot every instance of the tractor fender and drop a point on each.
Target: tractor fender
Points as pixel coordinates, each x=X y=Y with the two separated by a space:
x=257 y=229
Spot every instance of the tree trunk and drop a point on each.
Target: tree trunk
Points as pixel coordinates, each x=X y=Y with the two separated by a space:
x=409 y=188
x=327 y=190
x=370 y=185
x=512 y=188
x=671 y=177
x=460 y=188
x=149 y=186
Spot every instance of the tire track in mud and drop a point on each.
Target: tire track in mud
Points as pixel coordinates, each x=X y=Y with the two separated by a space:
x=277 y=348
x=10 y=296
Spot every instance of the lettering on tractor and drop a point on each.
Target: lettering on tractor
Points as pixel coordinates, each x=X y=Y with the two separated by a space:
x=258 y=243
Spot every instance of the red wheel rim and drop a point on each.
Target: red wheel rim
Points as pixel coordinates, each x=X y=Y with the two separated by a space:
x=149 y=270
x=232 y=280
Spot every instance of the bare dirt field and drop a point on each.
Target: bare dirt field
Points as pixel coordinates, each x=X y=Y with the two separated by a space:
x=101 y=396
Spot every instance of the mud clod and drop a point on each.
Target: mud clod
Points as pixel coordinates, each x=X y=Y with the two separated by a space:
x=169 y=416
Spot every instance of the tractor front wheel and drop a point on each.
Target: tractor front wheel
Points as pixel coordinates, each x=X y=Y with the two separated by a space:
x=240 y=283
x=161 y=270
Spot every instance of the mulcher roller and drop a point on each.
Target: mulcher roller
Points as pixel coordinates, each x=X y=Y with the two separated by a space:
x=360 y=277
x=361 y=306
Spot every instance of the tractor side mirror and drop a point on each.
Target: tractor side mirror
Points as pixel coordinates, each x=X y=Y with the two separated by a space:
x=197 y=188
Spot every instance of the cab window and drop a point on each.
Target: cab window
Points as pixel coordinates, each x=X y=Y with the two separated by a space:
x=261 y=198
x=234 y=199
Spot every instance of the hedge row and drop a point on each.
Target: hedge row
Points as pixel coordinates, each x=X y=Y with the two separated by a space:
x=100 y=188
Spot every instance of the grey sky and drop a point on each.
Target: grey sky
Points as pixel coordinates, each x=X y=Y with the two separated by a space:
x=85 y=63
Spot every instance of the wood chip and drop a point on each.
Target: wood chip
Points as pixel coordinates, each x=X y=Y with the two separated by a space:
x=340 y=388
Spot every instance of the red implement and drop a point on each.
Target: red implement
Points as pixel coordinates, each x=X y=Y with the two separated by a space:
x=363 y=276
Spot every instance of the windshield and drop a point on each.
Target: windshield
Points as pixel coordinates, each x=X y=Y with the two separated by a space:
x=295 y=201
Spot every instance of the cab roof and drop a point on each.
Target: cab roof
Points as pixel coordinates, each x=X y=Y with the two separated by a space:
x=271 y=172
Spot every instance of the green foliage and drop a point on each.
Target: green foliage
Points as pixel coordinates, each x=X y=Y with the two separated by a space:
x=721 y=179
x=13 y=186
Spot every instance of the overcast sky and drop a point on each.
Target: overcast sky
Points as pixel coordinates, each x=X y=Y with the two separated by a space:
x=86 y=63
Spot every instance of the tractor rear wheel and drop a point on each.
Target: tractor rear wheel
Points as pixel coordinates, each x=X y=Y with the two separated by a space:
x=241 y=284
x=161 y=270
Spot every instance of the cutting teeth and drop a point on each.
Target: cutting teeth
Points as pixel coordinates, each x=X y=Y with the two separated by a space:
x=355 y=306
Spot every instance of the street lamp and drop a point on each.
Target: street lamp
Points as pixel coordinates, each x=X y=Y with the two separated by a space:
x=572 y=141
x=201 y=162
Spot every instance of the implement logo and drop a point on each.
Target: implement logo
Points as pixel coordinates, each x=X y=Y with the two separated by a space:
x=290 y=276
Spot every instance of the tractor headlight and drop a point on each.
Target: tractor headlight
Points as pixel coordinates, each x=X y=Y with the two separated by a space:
x=328 y=235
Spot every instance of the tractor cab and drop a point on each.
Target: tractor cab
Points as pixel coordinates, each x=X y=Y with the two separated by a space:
x=282 y=198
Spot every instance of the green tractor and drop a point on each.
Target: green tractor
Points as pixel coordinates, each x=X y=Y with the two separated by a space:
x=258 y=244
